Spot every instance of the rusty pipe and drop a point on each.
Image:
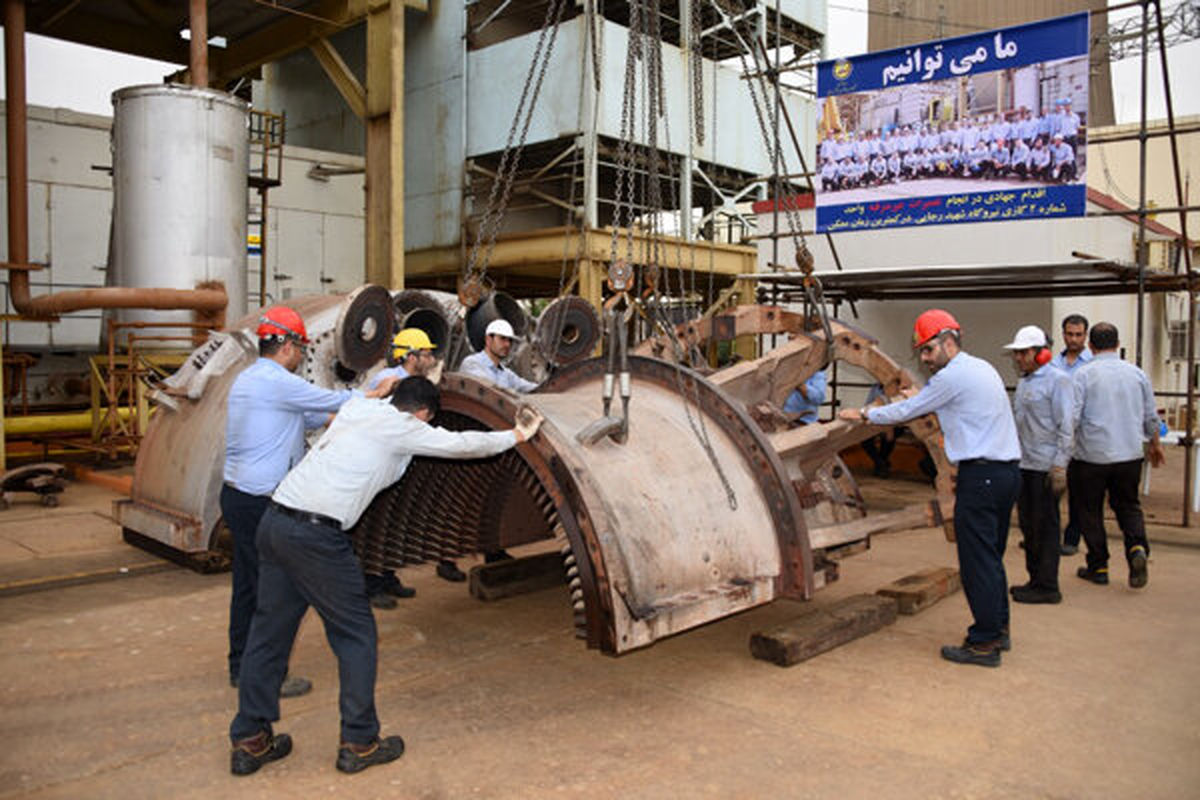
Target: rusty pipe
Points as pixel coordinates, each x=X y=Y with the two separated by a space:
x=198 y=51
x=17 y=147
x=208 y=300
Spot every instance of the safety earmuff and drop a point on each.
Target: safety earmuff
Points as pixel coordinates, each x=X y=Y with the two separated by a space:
x=1043 y=356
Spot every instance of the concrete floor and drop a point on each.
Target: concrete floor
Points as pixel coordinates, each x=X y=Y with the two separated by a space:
x=118 y=689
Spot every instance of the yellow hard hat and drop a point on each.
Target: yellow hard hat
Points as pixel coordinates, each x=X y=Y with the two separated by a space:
x=410 y=339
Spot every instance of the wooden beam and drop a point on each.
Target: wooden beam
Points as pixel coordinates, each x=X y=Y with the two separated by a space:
x=774 y=376
x=379 y=143
x=396 y=139
x=919 y=515
x=340 y=74
x=822 y=629
x=289 y=34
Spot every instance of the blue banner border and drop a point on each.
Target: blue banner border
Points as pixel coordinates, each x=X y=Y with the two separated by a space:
x=1073 y=198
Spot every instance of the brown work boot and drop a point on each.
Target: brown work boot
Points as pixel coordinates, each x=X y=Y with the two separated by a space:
x=357 y=757
x=250 y=754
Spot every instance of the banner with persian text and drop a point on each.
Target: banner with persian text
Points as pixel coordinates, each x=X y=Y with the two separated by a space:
x=978 y=128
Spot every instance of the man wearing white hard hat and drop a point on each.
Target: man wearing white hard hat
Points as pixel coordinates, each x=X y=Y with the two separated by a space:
x=488 y=363
x=1044 y=412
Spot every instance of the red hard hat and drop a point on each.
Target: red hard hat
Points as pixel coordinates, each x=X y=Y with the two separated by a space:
x=283 y=322
x=931 y=323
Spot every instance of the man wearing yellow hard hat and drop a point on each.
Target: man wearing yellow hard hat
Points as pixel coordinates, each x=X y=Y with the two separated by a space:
x=413 y=354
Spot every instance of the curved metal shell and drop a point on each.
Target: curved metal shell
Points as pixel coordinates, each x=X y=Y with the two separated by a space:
x=655 y=545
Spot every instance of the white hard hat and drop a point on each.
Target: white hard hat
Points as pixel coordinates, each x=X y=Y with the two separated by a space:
x=1027 y=337
x=500 y=327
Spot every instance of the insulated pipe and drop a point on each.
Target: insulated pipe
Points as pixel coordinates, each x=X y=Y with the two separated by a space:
x=204 y=300
x=198 y=51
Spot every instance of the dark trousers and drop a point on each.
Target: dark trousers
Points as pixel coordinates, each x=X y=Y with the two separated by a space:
x=1037 y=511
x=306 y=564
x=1120 y=482
x=983 y=501
x=242 y=513
x=1072 y=533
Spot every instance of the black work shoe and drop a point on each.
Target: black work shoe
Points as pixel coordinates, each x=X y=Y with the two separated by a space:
x=382 y=600
x=294 y=686
x=1138 y=576
x=1068 y=549
x=250 y=754
x=495 y=556
x=984 y=655
x=398 y=589
x=1003 y=643
x=1035 y=594
x=356 y=758
x=448 y=570
x=291 y=687
x=1099 y=575
x=1012 y=590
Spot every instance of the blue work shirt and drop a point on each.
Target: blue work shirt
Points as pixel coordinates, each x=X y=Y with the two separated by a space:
x=388 y=372
x=971 y=405
x=1114 y=411
x=481 y=366
x=1060 y=360
x=808 y=402
x=1044 y=409
x=268 y=410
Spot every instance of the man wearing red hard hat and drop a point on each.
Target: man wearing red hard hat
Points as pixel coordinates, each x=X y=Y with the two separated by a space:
x=268 y=410
x=972 y=407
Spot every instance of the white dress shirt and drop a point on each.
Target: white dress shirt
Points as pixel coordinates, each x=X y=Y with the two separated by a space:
x=366 y=449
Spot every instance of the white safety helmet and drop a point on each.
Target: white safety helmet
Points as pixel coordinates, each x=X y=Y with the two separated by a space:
x=500 y=327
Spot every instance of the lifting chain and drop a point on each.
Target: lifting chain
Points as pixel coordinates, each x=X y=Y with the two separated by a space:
x=473 y=284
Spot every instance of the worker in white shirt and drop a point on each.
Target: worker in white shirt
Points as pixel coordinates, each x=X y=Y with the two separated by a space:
x=306 y=559
x=488 y=362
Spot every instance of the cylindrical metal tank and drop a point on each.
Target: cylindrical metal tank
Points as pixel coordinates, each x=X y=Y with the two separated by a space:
x=180 y=164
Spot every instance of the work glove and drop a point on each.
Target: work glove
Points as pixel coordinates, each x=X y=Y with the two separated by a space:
x=528 y=422
x=1058 y=481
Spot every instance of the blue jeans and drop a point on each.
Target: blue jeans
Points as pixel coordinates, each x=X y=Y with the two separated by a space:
x=983 y=502
x=242 y=513
x=304 y=564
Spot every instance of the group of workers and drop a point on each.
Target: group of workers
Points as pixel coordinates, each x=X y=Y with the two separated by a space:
x=288 y=512
x=1082 y=421
x=1079 y=423
x=1015 y=145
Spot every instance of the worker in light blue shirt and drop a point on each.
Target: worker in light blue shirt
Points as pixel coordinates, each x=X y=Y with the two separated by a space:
x=1044 y=411
x=1074 y=355
x=268 y=410
x=1116 y=426
x=488 y=363
x=972 y=407
x=806 y=399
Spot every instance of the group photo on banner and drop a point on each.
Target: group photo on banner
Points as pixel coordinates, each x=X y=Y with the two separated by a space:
x=977 y=128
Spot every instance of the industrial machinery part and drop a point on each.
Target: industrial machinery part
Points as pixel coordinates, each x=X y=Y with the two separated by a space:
x=496 y=305
x=209 y=299
x=180 y=161
x=567 y=330
x=710 y=505
x=364 y=328
x=652 y=544
x=177 y=476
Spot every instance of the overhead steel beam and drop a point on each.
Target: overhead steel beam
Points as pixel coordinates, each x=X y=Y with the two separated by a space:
x=95 y=31
x=341 y=76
